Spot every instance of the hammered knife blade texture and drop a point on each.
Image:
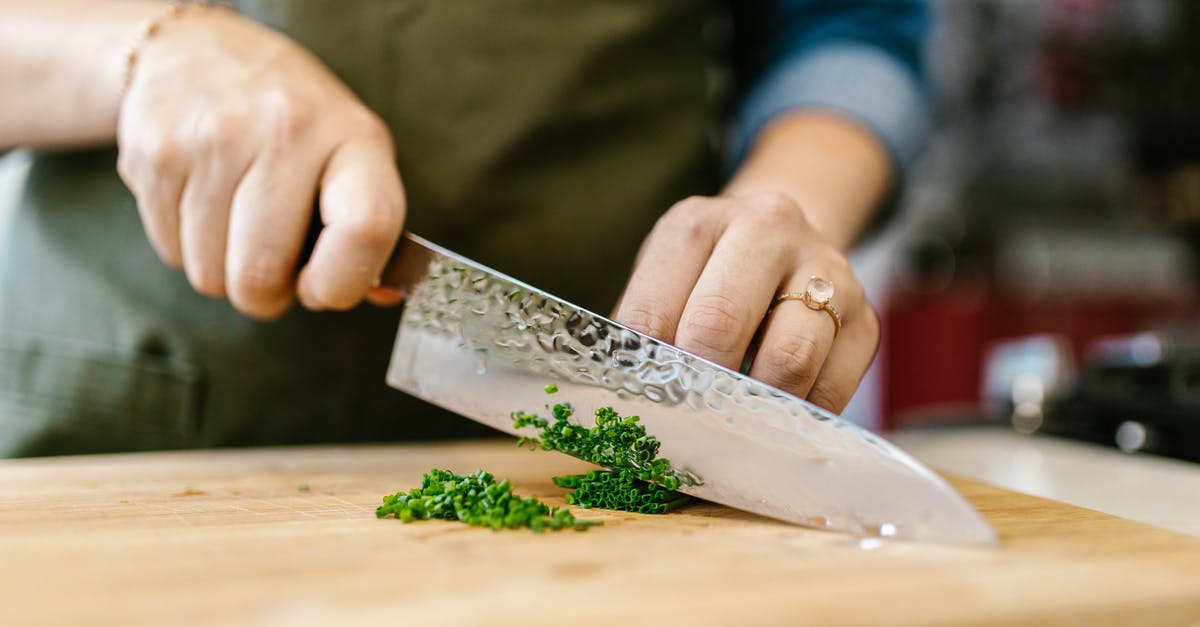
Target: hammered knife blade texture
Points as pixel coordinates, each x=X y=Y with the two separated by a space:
x=483 y=345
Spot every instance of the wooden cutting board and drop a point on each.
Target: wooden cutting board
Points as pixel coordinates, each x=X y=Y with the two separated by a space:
x=227 y=537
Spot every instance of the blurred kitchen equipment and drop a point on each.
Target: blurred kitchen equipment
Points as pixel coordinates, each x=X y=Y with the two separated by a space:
x=1140 y=393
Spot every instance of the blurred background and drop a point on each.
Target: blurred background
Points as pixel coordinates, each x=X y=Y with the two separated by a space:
x=1042 y=272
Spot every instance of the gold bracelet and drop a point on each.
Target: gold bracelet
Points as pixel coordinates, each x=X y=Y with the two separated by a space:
x=151 y=27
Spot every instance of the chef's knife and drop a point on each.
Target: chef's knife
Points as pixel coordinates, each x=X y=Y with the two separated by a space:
x=483 y=344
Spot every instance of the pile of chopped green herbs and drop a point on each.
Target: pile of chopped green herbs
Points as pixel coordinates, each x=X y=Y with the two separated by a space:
x=638 y=480
x=476 y=499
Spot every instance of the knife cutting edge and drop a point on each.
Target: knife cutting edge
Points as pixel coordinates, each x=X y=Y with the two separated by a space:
x=483 y=345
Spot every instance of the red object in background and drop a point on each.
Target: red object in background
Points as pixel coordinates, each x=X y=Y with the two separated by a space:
x=934 y=345
x=932 y=351
x=1069 y=71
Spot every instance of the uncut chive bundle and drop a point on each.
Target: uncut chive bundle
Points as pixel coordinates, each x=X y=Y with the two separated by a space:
x=476 y=499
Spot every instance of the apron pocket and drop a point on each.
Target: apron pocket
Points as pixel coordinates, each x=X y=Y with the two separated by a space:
x=63 y=396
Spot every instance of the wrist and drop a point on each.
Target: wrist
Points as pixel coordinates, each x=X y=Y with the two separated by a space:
x=835 y=169
x=155 y=28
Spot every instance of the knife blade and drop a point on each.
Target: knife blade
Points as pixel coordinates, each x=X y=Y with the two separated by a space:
x=483 y=344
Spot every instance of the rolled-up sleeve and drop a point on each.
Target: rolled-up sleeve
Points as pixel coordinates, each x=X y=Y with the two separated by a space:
x=862 y=59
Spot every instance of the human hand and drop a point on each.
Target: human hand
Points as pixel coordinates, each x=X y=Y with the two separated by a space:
x=227 y=134
x=709 y=272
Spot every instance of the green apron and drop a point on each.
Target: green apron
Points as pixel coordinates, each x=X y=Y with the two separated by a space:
x=540 y=137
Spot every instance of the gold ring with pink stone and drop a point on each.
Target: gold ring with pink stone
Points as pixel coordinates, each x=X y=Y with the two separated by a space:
x=817 y=295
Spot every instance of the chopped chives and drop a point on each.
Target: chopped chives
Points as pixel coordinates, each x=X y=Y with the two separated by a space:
x=476 y=499
x=638 y=481
x=619 y=490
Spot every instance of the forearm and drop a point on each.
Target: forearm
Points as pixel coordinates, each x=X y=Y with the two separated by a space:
x=61 y=68
x=833 y=167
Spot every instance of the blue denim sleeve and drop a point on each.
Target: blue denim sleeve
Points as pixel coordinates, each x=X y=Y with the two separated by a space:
x=862 y=58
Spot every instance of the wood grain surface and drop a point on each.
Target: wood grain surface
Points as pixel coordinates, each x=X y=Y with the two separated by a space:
x=226 y=537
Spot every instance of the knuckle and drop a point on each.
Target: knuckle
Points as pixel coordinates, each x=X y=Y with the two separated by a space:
x=337 y=300
x=372 y=126
x=207 y=282
x=357 y=121
x=377 y=225
x=686 y=218
x=162 y=156
x=841 y=266
x=164 y=242
x=327 y=292
x=773 y=201
x=688 y=205
x=265 y=312
x=852 y=294
x=685 y=223
x=774 y=210
x=822 y=396
x=218 y=131
x=165 y=246
x=712 y=324
x=258 y=282
x=793 y=362
x=169 y=255
x=288 y=114
x=648 y=319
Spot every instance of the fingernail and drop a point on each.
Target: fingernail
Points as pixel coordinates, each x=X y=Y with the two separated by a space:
x=385 y=296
